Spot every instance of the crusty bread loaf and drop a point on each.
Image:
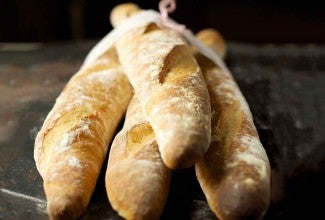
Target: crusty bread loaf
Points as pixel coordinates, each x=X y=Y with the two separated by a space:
x=134 y=160
x=137 y=180
x=235 y=172
x=73 y=142
x=171 y=91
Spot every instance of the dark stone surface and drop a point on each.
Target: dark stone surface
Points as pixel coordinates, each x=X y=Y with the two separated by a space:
x=283 y=84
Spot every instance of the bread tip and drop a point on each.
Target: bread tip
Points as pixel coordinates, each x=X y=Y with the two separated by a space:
x=65 y=208
x=122 y=12
x=213 y=39
x=176 y=158
x=242 y=201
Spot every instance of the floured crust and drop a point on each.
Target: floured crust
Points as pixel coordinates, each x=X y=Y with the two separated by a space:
x=235 y=172
x=137 y=180
x=72 y=144
x=171 y=91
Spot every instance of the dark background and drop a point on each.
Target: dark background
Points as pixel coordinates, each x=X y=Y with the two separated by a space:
x=264 y=21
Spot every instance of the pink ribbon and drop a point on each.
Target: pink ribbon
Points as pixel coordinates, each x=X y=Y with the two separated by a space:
x=166 y=7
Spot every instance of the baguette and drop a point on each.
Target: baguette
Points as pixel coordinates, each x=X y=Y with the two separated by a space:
x=134 y=157
x=73 y=142
x=137 y=180
x=171 y=91
x=235 y=172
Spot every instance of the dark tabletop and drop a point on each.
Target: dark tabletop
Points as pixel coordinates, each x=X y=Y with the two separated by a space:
x=283 y=84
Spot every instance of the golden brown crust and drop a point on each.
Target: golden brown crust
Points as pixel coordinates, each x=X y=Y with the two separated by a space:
x=235 y=172
x=171 y=90
x=214 y=40
x=137 y=180
x=72 y=144
x=121 y=12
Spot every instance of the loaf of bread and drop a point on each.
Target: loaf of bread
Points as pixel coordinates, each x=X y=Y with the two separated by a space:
x=235 y=172
x=171 y=91
x=137 y=180
x=73 y=142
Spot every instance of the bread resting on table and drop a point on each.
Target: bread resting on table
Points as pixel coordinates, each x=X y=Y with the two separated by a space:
x=235 y=172
x=72 y=144
x=171 y=91
x=168 y=126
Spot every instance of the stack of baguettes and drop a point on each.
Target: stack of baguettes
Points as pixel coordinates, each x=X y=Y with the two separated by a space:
x=181 y=110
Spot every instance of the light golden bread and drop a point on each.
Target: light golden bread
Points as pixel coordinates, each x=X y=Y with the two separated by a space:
x=137 y=180
x=73 y=142
x=214 y=40
x=235 y=172
x=122 y=11
x=171 y=91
